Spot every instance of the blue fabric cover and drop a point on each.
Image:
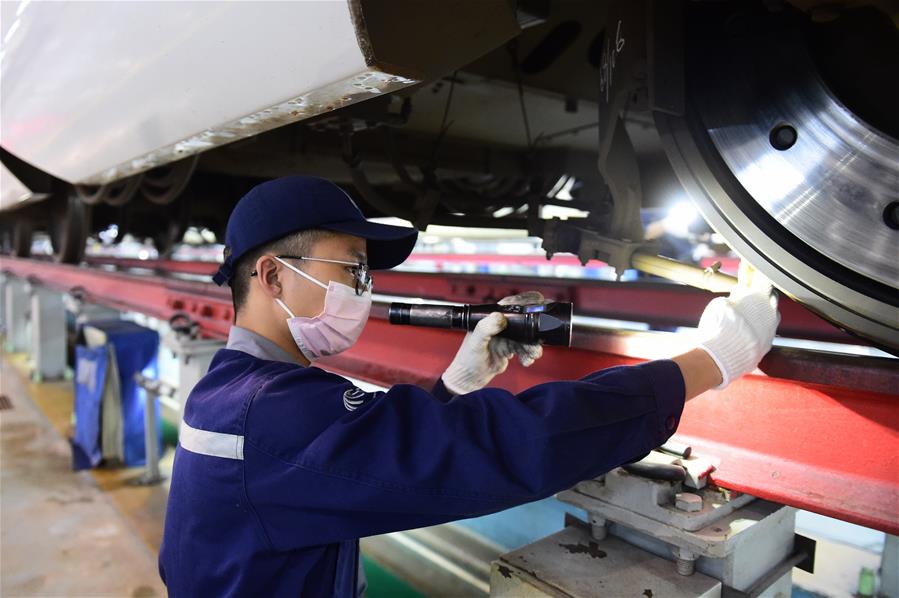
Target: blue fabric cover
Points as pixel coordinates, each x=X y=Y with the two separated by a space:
x=136 y=348
x=90 y=375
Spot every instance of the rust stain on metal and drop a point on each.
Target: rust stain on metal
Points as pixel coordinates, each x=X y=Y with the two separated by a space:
x=519 y=564
x=331 y=97
x=592 y=549
x=362 y=37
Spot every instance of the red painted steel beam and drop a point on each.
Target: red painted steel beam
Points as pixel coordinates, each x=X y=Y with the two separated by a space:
x=207 y=304
x=830 y=448
x=657 y=303
x=195 y=268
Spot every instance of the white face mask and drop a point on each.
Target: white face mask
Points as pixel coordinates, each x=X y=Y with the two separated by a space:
x=339 y=324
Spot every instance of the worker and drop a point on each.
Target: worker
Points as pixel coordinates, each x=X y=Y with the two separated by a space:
x=282 y=466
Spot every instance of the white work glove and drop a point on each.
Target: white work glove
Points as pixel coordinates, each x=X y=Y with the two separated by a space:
x=736 y=331
x=482 y=355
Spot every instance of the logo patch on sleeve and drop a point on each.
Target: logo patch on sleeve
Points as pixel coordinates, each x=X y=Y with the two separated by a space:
x=355 y=397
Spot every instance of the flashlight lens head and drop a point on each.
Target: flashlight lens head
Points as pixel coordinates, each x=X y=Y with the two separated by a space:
x=554 y=324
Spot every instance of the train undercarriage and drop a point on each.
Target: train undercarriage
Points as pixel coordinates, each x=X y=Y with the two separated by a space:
x=777 y=119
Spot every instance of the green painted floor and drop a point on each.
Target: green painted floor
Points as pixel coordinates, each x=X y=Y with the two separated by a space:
x=383 y=584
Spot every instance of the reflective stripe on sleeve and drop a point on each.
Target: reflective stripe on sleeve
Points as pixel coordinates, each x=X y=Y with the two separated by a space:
x=214 y=444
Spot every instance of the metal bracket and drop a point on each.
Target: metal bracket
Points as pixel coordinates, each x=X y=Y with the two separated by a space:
x=803 y=558
x=155 y=389
x=559 y=236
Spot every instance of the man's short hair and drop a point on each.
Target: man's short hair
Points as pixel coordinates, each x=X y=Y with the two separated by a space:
x=299 y=243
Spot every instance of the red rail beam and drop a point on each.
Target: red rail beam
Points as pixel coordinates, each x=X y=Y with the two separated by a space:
x=659 y=304
x=162 y=267
x=830 y=448
x=160 y=297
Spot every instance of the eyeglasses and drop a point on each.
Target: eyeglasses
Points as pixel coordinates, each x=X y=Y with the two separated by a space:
x=360 y=271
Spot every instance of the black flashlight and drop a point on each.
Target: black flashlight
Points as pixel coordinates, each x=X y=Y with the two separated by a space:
x=548 y=323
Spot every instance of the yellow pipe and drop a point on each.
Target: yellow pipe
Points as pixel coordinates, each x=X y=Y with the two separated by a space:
x=703 y=278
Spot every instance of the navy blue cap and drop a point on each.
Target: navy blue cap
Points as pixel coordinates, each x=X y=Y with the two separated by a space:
x=277 y=208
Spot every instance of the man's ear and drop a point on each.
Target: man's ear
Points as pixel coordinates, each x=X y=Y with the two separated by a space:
x=267 y=272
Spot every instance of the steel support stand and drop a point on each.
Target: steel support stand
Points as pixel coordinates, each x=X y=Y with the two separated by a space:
x=4 y=279
x=48 y=334
x=16 y=315
x=889 y=568
x=194 y=356
x=151 y=441
x=658 y=527
x=153 y=388
x=86 y=312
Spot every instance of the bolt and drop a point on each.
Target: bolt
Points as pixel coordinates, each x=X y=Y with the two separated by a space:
x=687 y=501
x=684 y=560
x=599 y=528
x=676 y=448
x=685 y=567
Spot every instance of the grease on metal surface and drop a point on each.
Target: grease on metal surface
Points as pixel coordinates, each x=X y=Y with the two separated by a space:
x=592 y=550
x=318 y=101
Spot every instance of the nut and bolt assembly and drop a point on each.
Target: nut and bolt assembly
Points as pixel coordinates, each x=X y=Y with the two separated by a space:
x=687 y=501
x=599 y=528
x=685 y=560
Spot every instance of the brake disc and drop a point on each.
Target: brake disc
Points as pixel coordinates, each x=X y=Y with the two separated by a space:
x=795 y=182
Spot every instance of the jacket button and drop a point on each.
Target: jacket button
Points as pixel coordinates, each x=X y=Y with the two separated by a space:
x=670 y=423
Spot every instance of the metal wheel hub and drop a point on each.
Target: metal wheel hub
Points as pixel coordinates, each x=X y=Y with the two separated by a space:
x=794 y=181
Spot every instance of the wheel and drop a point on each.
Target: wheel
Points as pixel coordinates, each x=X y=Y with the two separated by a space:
x=69 y=228
x=796 y=182
x=22 y=233
x=166 y=238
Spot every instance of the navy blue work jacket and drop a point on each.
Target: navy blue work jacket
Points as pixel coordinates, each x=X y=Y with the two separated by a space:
x=282 y=468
